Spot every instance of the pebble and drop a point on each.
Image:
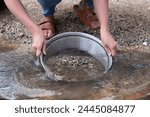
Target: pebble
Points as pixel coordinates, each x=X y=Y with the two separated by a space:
x=145 y=43
x=29 y=42
x=21 y=35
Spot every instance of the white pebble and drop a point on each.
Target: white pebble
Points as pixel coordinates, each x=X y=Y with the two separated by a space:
x=145 y=43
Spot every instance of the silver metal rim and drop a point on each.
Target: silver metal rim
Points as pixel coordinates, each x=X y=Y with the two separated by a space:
x=88 y=36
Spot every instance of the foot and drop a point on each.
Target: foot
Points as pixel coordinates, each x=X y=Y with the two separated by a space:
x=86 y=15
x=47 y=25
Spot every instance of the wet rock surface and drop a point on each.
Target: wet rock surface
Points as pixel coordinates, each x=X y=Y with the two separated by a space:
x=128 y=78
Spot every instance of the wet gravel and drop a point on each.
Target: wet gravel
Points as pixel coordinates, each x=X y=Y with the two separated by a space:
x=75 y=66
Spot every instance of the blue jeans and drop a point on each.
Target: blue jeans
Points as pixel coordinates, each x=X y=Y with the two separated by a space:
x=48 y=6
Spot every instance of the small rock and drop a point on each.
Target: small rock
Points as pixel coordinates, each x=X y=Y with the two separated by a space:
x=29 y=42
x=21 y=35
x=145 y=43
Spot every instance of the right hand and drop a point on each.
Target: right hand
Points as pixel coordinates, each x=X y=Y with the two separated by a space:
x=39 y=42
x=109 y=42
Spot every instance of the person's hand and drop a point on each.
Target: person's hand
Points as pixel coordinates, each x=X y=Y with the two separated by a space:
x=39 y=42
x=109 y=42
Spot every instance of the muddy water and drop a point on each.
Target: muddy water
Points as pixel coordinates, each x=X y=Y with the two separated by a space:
x=128 y=78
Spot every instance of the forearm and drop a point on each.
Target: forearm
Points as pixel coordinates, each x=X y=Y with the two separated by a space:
x=101 y=9
x=16 y=7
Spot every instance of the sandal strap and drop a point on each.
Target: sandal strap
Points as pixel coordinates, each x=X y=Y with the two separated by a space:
x=47 y=24
x=43 y=21
x=83 y=3
x=86 y=15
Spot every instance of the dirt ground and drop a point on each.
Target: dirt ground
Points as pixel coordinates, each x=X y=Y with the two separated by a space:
x=129 y=21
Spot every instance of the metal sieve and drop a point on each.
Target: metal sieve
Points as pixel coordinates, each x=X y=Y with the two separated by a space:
x=75 y=40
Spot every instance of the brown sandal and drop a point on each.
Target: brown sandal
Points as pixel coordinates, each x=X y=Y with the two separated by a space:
x=48 y=25
x=86 y=16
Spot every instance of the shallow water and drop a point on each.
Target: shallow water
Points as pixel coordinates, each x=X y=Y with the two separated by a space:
x=128 y=78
